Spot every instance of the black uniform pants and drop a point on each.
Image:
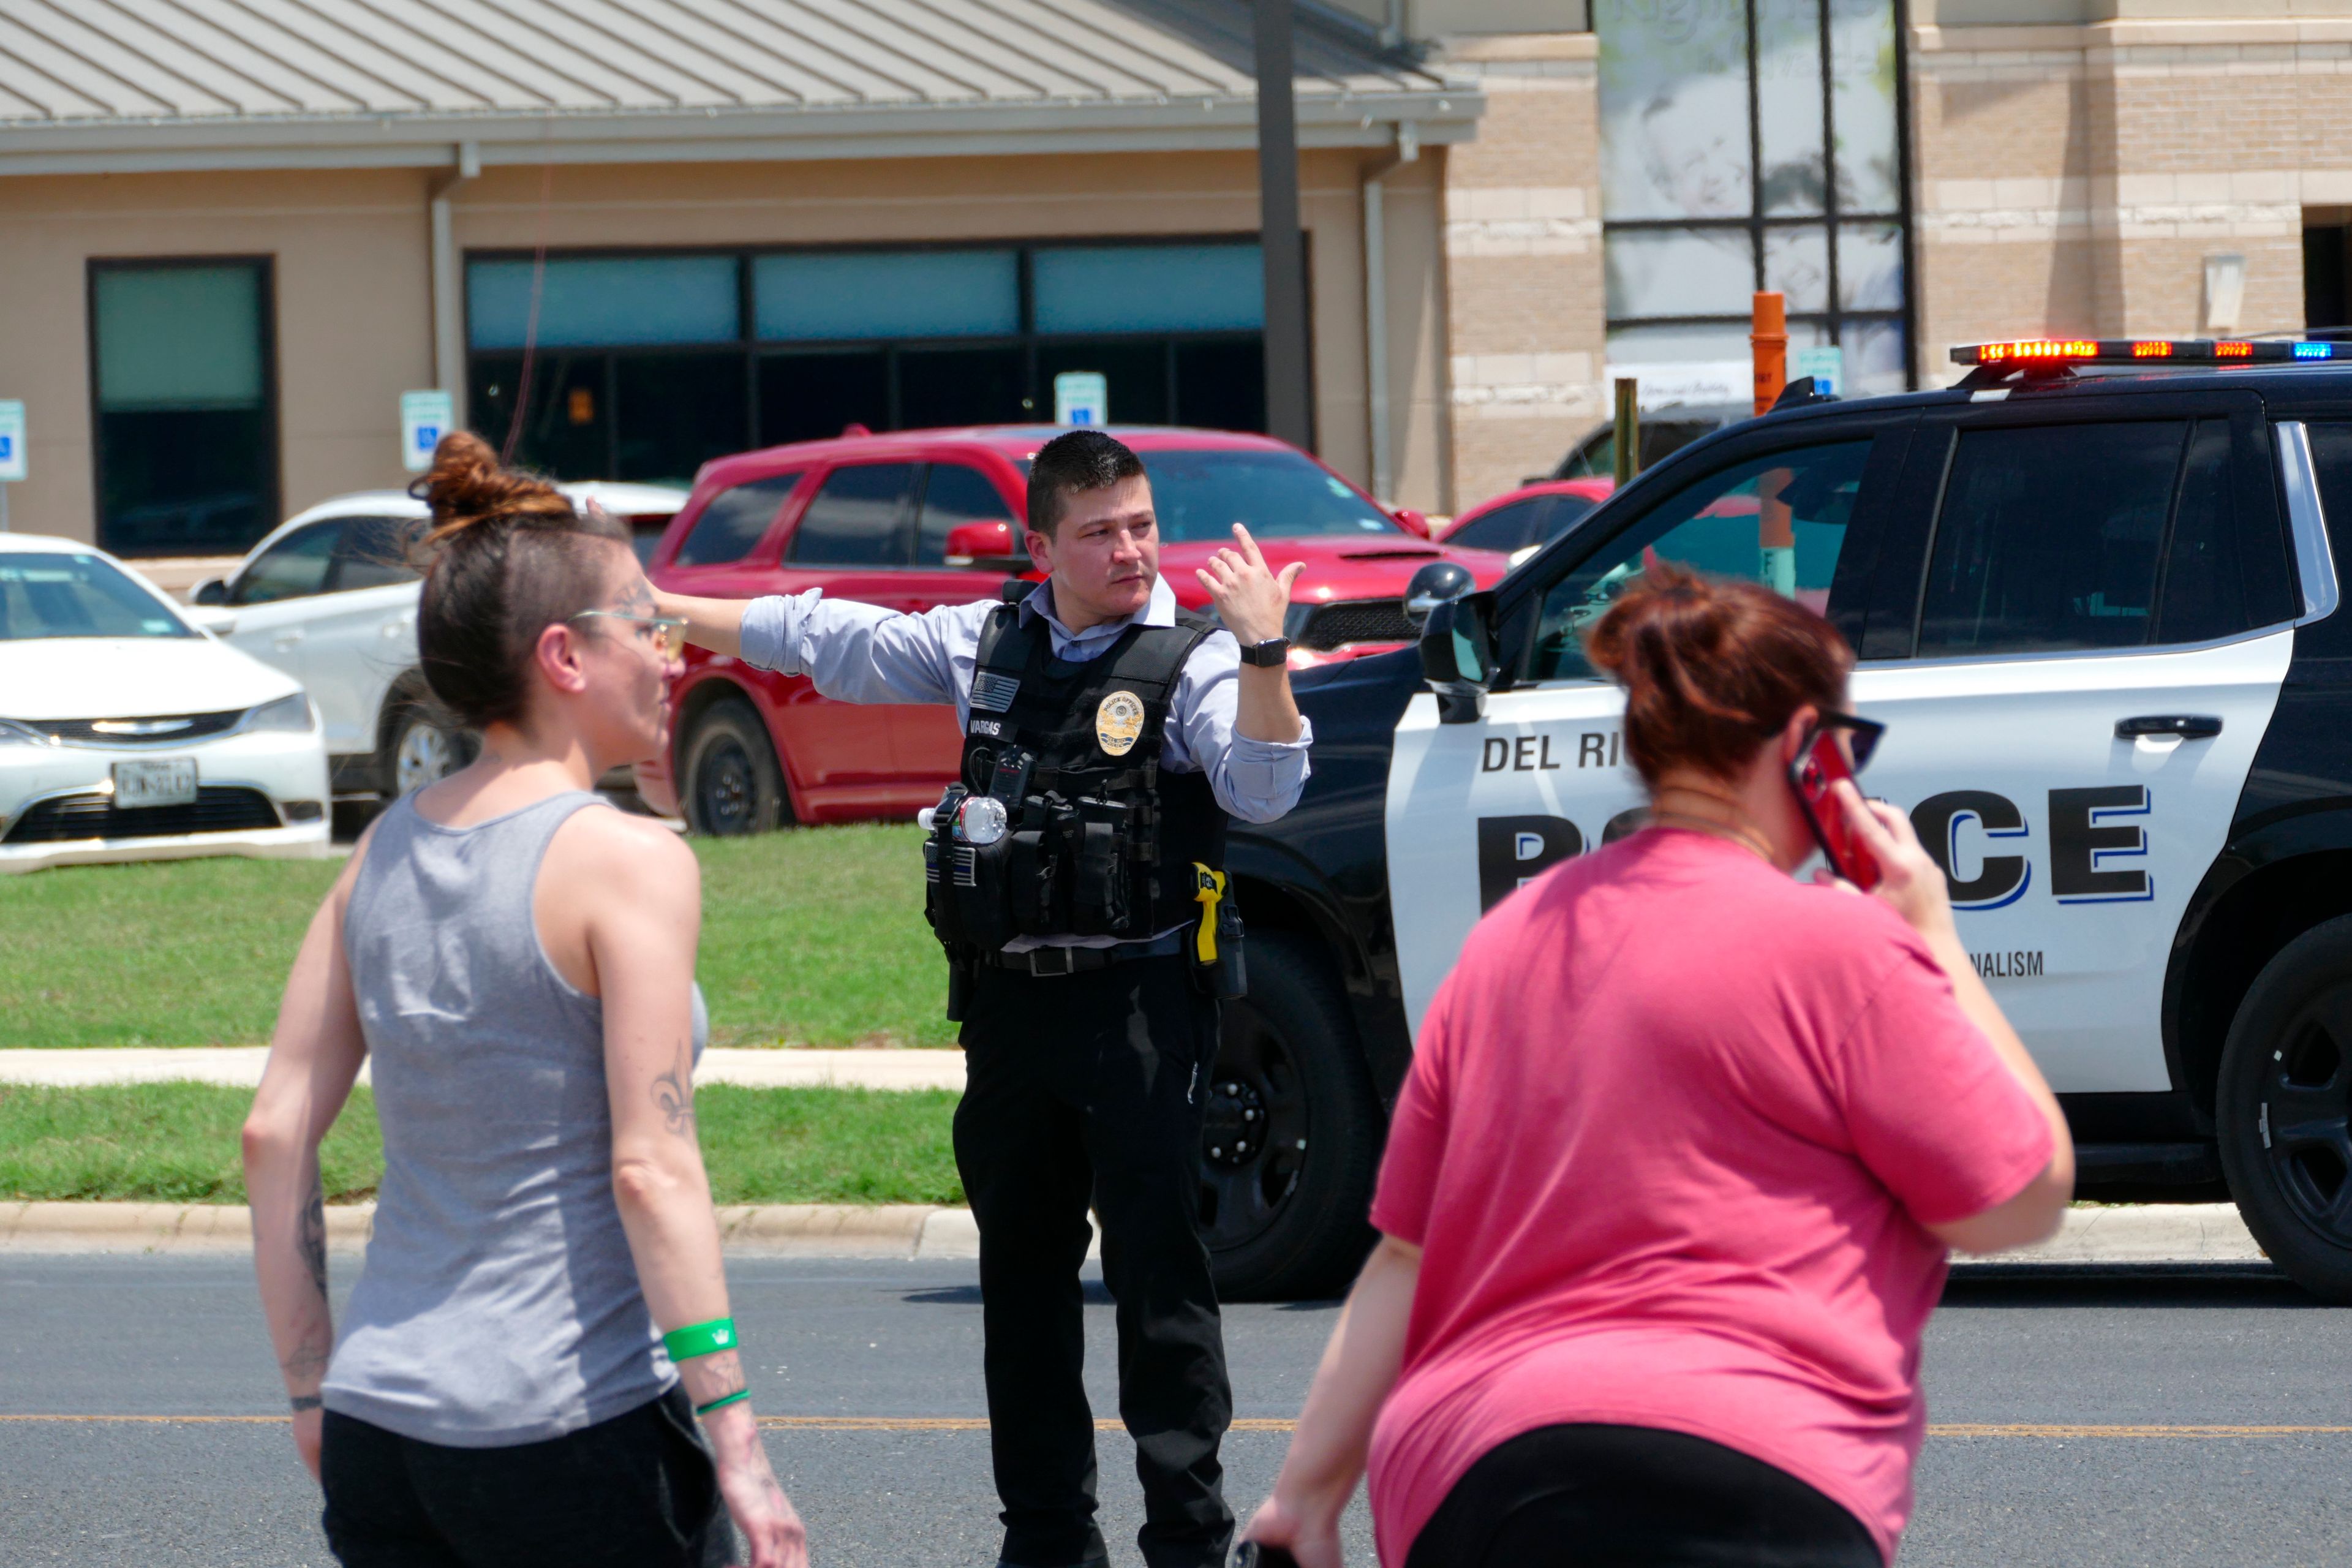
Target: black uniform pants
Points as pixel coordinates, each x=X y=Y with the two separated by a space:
x=1090 y=1089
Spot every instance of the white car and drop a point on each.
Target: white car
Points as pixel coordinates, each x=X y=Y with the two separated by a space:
x=329 y=598
x=128 y=734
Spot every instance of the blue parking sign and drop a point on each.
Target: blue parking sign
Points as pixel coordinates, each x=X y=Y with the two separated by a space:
x=12 y=440
x=424 y=417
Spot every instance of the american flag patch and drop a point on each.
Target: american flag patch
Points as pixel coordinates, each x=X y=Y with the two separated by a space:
x=994 y=693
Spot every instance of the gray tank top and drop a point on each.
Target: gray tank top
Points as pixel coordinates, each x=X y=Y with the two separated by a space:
x=500 y=1303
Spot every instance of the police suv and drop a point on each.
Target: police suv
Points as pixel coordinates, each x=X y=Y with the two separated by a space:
x=2098 y=612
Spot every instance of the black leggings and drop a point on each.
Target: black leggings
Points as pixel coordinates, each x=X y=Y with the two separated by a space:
x=636 y=1491
x=1589 y=1496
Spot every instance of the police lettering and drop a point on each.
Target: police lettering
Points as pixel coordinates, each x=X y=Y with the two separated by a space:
x=1533 y=753
x=2012 y=966
x=1513 y=849
x=2000 y=878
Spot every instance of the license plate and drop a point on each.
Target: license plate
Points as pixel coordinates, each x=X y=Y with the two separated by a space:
x=166 y=781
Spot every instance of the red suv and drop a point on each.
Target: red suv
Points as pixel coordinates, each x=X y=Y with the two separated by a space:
x=922 y=518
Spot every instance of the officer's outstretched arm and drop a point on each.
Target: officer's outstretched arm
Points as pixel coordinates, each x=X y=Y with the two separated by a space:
x=713 y=624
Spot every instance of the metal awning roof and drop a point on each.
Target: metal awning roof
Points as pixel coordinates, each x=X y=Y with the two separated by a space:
x=121 y=85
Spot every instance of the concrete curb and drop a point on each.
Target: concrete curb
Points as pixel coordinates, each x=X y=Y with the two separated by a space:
x=2178 y=1233
x=750 y=1230
x=240 y=1067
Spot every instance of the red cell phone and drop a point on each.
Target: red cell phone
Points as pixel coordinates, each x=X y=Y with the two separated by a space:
x=1820 y=766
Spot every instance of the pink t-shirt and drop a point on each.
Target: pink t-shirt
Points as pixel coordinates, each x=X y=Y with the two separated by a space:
x=1674 y=1126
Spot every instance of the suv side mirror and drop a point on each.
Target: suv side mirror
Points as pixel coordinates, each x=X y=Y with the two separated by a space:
x=211 y=591
x=987 y=544
x=1457 y=657
x=1413 y=522
x=1432 y=585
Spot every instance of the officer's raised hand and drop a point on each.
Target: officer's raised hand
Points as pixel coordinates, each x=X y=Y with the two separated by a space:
x=1251 y=601
x=1250 y=598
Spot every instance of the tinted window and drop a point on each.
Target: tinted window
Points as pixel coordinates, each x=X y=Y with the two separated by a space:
x=1506 y=528
x=68 y=596
x=1779 y=521
x=375 y=553
x=2049 y=539
x=1199 y=496
x=858 y=519
x=1565 y=510
x=294 y=567
x=1658 y=439
x=2225 y=570
x=734 y=521
x=952 y=496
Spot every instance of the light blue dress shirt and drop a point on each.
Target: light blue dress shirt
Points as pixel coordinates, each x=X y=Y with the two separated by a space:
x=864 y=653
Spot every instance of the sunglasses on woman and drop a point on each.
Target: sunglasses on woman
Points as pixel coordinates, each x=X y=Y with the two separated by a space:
x=1862 y=734
x=668 y=631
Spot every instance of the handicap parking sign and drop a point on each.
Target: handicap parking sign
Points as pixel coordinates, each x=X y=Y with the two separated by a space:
x=1081 y=397
x=424 y=418
x=12 y=441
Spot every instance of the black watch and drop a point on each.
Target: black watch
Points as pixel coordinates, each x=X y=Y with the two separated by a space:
x=1268 y=655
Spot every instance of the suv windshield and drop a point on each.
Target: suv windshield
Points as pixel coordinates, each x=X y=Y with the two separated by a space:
x=1199 y=496
x=77 y=597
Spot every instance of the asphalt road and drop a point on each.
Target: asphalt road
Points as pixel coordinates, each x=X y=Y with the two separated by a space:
x=2059 y=1404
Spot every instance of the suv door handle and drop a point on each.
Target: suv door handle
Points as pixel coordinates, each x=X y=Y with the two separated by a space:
x=2188 y=726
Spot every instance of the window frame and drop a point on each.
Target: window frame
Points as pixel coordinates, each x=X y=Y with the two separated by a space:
x=755 y=350
x=273 y=436
x=1898 y=592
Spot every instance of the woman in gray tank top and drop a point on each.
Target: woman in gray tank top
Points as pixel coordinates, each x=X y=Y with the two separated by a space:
x=542 y=1314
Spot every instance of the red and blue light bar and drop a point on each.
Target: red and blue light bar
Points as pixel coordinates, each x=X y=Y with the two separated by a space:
x=2140 y=351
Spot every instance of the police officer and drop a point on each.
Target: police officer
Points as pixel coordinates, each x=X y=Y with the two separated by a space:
x=1076 y=875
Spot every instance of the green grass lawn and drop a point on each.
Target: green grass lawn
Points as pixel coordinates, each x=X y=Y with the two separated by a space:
x=809 y=938
x=177 y=1142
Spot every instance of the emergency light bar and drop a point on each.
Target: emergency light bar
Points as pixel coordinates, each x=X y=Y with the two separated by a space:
x=2141 y=350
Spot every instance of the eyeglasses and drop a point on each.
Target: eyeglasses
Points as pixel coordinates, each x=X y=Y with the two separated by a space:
x=669 y=632
x=1862 y=735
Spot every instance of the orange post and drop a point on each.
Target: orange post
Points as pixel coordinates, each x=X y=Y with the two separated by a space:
x=1769 y=338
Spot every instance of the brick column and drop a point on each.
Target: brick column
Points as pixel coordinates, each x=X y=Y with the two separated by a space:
x=1524 y=282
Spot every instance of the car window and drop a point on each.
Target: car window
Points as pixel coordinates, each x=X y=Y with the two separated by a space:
x=1565 y=510
x=1658 y=440
x=952 y=496
x=2049 y=539
x=1779 y=521
x=1506 y=528
x=69 y=595
x=1198 y=496
x=294 y=567
x=376 y=553
x=735 y=521
x=857 y=518
x=2225 y=572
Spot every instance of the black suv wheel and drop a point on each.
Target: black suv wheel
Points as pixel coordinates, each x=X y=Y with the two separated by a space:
x=2283 y=1102
x=1293 y=1136
x=728 y=778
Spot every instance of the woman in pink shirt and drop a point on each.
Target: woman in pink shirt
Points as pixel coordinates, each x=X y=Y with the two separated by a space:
x=1668 y=1195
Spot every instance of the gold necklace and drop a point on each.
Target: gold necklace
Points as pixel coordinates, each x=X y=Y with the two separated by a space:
x=1734 y=829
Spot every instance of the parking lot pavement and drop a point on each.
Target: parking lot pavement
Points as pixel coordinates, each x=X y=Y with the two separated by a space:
x=2188 y=1416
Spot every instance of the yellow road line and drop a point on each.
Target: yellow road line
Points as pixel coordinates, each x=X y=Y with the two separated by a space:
x=1247 y=1424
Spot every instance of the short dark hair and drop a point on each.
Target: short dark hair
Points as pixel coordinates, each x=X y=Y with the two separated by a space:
x=1069 y=464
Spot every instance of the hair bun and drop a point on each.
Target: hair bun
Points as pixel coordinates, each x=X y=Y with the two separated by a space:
x=468 y=488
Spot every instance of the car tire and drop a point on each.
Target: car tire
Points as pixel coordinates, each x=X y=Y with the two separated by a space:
x=2282 y=1104
x=421 y=747
x=729 y=782
x=1293 y=1135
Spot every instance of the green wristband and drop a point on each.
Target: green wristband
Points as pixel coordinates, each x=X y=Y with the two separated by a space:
x=700 y=1339
x=729 y=1399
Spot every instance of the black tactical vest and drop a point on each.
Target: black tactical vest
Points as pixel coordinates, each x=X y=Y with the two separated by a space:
x=1095 y=838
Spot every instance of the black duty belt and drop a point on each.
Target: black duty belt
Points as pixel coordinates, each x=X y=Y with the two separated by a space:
x=1049 y=961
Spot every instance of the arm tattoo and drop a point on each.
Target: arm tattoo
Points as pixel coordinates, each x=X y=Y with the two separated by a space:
x=312 y=1238
x=303 y=1402
x=673 y=1094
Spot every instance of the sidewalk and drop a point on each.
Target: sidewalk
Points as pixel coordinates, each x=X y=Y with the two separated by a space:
x=2171 y=1235
x=241 y=1066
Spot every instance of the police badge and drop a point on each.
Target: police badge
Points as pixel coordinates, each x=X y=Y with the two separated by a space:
x=1117 y=721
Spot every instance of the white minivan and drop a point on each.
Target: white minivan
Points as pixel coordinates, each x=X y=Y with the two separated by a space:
x=330 y=598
